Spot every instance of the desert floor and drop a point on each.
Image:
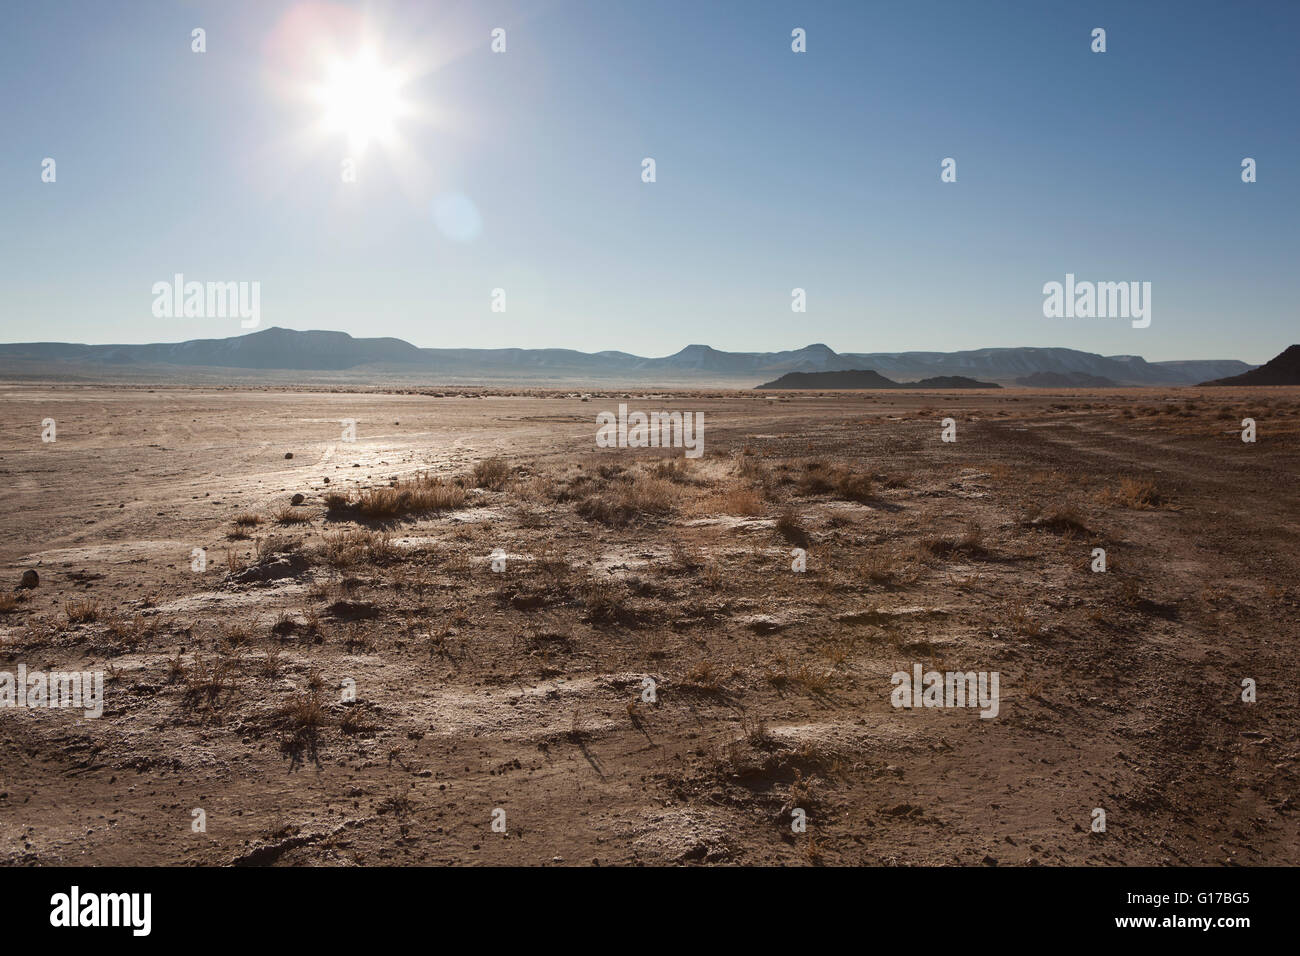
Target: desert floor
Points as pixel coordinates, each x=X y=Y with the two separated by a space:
x=229 y=690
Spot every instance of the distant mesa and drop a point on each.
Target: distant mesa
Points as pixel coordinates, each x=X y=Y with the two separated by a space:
x=868 y=378
x=854 y=378
x=948 y=381
x=1283 y=370
x=1066 y=380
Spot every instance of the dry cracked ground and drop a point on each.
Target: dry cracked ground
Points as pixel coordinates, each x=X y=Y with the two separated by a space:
x=352 y=679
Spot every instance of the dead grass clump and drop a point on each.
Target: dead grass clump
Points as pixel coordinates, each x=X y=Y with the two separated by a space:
x=344 y=549
x=415 y=496
x=276 y=544
x=684 y=556
x=291 y=515
x=714 y=576
x=247 y=519
x=82 y=612
x=491 y=473
x=1021 y=623
x=1065 y=521
x=625 y=501
x=819 y=479
x=175 y=668
x=878 y=567
x=816 y=479
x=1136 y=493
x=704 y=678
x=9 y=603
x=381 y=503
x=676 y=470
x=205 y=681
x=359 y=545
x=272 y=662
x=552 y=566
x=337 y=501
x=745 y=502
x=606 y=603
x=304 y=712
x=237 y=635
x=971 y=543
x=303 y=717
x=789 y=527
x=652 y=496
x=134 y=630
x=354 y=722
x=852 y=486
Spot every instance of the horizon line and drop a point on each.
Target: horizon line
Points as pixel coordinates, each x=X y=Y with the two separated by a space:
x=559 y=348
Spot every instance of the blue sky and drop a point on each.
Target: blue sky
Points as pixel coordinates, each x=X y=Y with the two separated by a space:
x=775 y=170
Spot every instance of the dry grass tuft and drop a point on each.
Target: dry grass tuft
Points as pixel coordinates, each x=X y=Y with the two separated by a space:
x=336 y=501
x=820 y=479
x=291 y=515
x=745 y=502
x=1136 y=493
x=790 y=528
x=82 y=612
x=491 y=473
x=624 y=502
x=420 y=495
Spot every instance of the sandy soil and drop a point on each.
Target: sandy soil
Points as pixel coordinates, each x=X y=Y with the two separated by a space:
x=522 y=689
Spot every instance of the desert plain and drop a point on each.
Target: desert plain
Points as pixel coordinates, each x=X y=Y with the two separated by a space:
x=480 y=639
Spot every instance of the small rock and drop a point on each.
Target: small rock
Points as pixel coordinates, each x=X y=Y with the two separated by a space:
x=271 y=568
x=297 y=499
x=30 y=579
x=288 y=455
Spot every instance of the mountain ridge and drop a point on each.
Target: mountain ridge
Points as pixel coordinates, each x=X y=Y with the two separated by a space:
x=288 y=353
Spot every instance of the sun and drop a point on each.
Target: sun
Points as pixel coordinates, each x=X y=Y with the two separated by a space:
x=361 y=99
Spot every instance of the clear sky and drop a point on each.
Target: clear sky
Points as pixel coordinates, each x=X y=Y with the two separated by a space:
x=522 y=170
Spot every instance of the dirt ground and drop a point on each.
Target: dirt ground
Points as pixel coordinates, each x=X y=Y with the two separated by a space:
x=352 y=681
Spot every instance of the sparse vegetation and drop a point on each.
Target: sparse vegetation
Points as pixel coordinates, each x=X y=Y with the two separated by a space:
x=627 y=572
x=82 y=612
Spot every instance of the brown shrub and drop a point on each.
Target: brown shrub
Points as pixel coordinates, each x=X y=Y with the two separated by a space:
x=491 y=473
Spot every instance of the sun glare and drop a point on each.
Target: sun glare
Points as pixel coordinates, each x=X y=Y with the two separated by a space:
x=362 y=100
